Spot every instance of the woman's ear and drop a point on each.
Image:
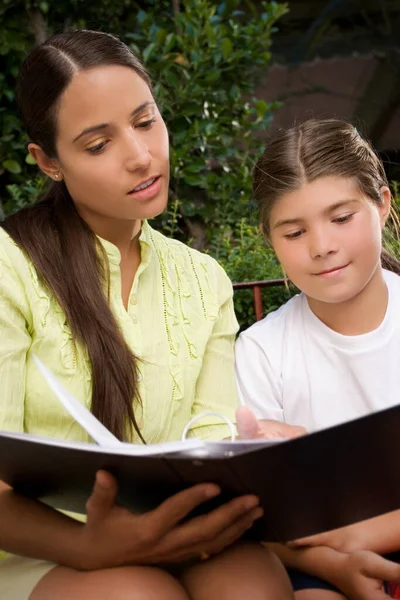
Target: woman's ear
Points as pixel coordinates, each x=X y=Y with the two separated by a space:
x=384 y=207
x=49 y=166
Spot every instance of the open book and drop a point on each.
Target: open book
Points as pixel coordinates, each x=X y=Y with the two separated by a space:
x=318 y=482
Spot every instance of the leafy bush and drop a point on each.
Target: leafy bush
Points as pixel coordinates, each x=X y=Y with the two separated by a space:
x=244 y=255
x=205 y=60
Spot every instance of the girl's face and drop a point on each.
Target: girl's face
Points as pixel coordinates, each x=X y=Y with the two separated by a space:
x=112 y=145
x=327 y=237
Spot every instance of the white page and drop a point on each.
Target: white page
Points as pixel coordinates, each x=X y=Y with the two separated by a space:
x=122 y=448
x=100 y=434
x=81 y=414
x=103 y=437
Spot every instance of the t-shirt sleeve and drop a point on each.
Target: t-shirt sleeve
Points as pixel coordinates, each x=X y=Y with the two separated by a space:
x=15 y=341
x=258 y=385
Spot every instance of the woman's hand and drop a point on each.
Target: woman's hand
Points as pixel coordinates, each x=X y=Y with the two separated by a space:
x=249 y=427
x=113 y=536
x=364 y=574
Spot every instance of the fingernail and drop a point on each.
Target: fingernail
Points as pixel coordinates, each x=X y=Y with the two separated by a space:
x=213 y=491
x=258 y=513
x=252 y=502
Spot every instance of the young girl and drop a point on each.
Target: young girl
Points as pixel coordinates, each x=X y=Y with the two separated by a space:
x=138 y=327
x=332 y=353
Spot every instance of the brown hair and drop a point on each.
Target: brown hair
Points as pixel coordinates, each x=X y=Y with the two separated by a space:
x=312 y=149
x=65 y=251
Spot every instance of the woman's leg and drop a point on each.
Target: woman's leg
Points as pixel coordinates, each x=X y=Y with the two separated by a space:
x=242 y=571
x=123 y=583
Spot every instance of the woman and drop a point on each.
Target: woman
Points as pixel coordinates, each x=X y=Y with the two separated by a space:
x=138 y=327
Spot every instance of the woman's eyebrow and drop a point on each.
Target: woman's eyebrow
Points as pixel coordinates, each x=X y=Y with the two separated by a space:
x=102 y=126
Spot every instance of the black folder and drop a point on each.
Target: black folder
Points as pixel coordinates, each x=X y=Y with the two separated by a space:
x=315 y=483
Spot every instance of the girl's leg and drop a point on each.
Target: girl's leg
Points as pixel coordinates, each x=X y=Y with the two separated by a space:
x=242 y=571
x=318 y=595
x=309 y=587
x=123 y=583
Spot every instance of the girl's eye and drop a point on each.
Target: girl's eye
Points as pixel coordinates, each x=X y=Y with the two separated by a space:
x=97 y=148
x=293 y=236
x=343 y=219
x=146 y=124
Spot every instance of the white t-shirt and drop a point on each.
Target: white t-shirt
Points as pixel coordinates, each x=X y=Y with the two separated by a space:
x=291 y=367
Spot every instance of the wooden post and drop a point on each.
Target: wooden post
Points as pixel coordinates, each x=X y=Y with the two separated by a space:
x=258 y=307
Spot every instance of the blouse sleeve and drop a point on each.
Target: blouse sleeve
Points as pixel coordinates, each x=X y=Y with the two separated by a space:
x=216 y=389
x=15 y=341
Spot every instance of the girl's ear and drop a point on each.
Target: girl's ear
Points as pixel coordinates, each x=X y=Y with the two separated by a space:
x=49 y=166
x=384 y=207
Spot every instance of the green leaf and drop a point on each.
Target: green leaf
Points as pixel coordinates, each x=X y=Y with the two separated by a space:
x=172 y=79
x=227 y=47
x=212 y=76
x=169 y=42
x=160 y=36
x=148 y=51
x=12 y=166
x=261 y=108
x=30 y=160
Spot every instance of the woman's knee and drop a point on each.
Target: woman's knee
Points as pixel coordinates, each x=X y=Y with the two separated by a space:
x=244 y=570
x=124 y=583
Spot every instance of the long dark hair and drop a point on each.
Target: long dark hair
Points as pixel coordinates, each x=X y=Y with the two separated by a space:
x=312 y=149
x=65 y=251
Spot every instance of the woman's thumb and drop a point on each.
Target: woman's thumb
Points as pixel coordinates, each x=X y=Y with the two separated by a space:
x=103 y=496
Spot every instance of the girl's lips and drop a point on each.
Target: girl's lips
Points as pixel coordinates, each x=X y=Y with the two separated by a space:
x=332 y=272
x=149 y=192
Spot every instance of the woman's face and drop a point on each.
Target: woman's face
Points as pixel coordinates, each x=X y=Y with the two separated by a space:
x=112 y=145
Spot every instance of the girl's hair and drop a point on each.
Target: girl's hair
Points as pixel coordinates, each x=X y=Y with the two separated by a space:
x=66 y=253
x=312 y=149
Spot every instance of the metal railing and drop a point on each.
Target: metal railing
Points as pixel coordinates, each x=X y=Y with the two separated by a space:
x=257 y=286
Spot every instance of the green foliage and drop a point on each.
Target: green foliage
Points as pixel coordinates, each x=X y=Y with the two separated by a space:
x=204 y=61
x=25 y=193
x=246 y=257
x=205 y=70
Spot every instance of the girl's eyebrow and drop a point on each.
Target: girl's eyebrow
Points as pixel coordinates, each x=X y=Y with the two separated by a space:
x=327 y=211
x=340 y=204
x=102 y=126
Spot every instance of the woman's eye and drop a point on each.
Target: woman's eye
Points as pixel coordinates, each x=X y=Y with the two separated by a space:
x=343 y=219
x=146 y=124
x=97 y=148
x=293 y=235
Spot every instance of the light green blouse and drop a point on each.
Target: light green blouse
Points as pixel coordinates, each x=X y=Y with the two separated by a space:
x=180 y=324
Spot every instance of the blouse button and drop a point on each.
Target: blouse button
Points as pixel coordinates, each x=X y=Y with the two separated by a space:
x=134 y=319
x=134 y=299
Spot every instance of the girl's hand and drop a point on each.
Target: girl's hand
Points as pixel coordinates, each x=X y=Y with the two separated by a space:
x=338 y=539
x=113 y=536
x=249 y=427
x=364 y=574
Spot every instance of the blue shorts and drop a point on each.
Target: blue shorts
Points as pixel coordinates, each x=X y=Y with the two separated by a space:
x=302 y=581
